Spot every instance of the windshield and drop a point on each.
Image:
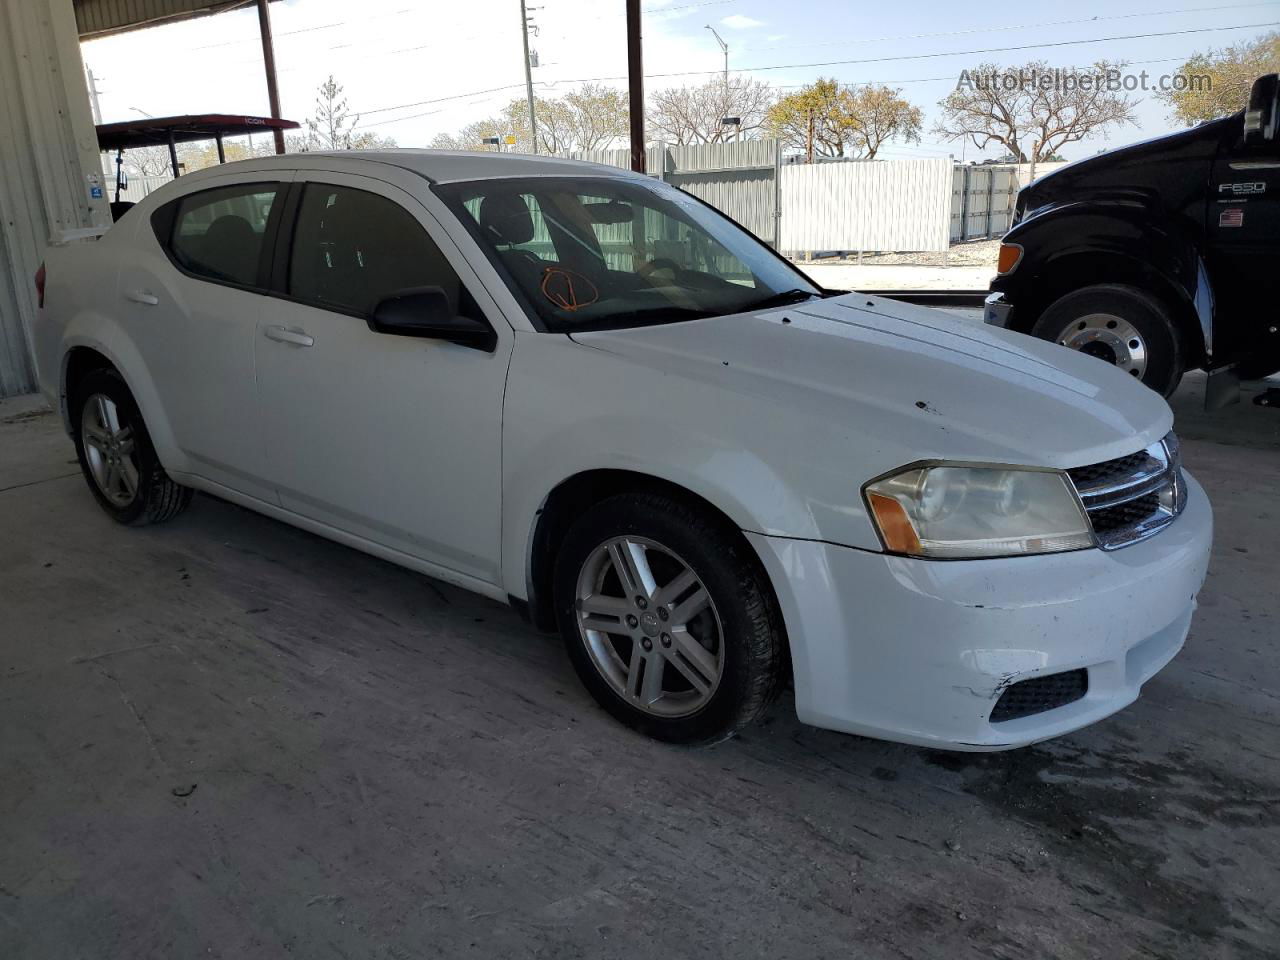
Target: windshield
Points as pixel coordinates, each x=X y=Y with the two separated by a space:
x=590 y=253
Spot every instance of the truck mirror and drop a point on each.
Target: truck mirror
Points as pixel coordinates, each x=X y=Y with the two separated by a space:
x=1260 y=116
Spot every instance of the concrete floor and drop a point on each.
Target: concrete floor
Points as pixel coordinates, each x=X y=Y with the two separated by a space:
x=223 y=737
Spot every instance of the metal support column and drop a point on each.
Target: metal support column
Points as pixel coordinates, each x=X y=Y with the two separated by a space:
x=635 y=83
x=269 y=63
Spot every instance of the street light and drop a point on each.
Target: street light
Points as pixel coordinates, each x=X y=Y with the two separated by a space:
x=725 y=48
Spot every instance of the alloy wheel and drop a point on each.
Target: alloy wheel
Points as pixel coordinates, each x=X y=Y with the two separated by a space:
x=109 y=450
x=649 y=626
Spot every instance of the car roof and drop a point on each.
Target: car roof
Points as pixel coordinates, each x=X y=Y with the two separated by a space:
x=443 y=166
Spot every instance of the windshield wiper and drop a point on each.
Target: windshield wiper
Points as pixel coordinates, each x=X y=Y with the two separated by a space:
x=795 y=295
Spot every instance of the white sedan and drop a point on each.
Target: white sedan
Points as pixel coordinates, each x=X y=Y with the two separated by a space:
x=589 y=394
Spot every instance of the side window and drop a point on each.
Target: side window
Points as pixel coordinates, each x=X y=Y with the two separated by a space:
x=219 y=233
x=352 y=249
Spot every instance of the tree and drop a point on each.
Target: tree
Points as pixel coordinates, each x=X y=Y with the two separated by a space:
x=471 y=136
x=333 y=126
x=694 y=114
x=590 y=118
x=149 y=161
x=595 y=117
x=833 y=121
x=1033 y=111
x=1217 y=83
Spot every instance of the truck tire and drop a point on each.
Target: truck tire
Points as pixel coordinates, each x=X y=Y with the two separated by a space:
x=116 y=454
x=1122 y=325
x=668 y=618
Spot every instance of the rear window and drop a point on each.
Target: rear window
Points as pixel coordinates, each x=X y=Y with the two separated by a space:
x=218 y=234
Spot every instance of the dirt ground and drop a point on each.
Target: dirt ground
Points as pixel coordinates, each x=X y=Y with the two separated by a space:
x=224 y=737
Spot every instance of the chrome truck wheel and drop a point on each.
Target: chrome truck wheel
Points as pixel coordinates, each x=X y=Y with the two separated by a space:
x=1109 y=338
x=1132 y=329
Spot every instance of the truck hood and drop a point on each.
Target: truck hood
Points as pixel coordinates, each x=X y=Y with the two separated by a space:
x=909 y=382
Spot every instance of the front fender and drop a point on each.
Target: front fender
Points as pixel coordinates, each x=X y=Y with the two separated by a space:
x=1111 y=241
x=543 y=446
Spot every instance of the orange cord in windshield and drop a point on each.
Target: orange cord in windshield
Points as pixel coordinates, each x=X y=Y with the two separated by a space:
x=568 y=289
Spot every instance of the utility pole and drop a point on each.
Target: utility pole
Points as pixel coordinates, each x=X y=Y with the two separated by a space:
x=93 y=95
x=269 y=63
x=724 y=47
x=528 y=75
x=808 y=152
x=635 y=84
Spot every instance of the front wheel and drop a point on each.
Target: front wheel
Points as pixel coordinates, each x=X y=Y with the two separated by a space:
x=668 y=618
x=1120 y=325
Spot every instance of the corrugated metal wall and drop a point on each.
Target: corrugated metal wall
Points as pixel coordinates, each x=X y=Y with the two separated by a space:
x=48 y=152
x=891 y=205
x=983 y=197
x=739 y=179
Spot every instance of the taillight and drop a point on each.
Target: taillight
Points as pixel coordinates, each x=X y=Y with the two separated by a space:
x=40 y=287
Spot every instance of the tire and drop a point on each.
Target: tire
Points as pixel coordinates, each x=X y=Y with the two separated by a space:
x=1122 y=325
x=691 y=555
x=120 y=465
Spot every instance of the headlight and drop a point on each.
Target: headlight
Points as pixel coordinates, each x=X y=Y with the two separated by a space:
x=977 y=512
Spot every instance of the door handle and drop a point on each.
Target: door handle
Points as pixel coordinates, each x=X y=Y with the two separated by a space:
x=143 y=296
x=285 y=335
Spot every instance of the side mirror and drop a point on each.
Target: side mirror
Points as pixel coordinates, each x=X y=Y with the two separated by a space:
x=426 y=312
x=1260 y=116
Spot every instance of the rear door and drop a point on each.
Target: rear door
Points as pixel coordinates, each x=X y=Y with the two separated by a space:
x=395 y=439
x=191 y=300
x=1243 y=234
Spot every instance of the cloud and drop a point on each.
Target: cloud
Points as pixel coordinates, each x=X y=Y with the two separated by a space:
x=739 y=22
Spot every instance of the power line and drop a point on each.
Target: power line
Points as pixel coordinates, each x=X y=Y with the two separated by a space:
x=851 y=83
x=1009 y=27
x=932 y=56
x=829 y=63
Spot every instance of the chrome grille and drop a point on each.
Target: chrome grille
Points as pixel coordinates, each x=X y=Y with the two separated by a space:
x=1130 y=498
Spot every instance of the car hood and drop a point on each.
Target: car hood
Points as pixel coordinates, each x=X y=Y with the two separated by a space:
x=910 y=383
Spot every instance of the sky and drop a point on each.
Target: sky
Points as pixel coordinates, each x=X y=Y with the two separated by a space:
x=413 y=70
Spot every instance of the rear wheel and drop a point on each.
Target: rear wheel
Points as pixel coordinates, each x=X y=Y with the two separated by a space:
x=1121 y=325
x=668 y=618
x=116 y=456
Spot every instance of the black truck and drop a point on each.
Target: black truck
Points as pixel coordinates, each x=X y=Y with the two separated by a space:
x=1159 y=257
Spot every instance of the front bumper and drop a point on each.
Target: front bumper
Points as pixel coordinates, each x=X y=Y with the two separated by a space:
x=997 y=311
x=919 y=651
